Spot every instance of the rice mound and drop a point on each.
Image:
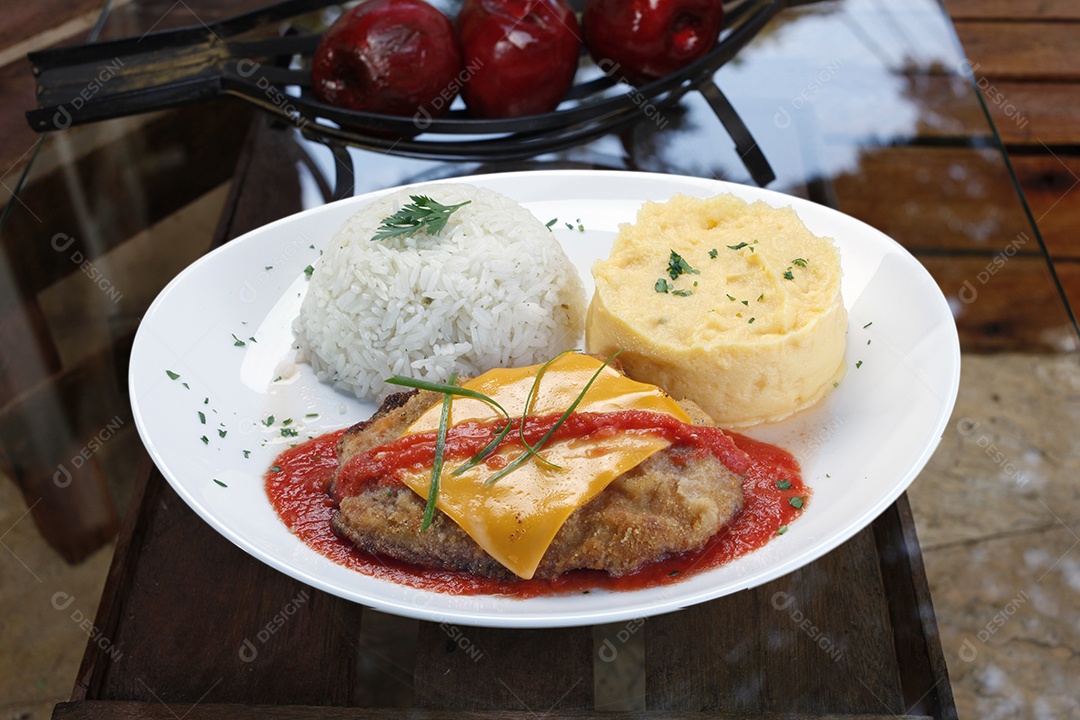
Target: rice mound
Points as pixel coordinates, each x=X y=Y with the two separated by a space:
x=493 y=289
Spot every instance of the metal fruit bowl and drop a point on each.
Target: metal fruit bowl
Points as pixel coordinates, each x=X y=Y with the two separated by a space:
x=122 y=77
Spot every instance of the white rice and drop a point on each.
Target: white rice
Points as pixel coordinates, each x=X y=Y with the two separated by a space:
x=493 y=289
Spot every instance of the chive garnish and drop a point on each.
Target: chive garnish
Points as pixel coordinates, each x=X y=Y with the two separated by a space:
x=516 y=463
x=172 y=375
x=440 y=450
x=740 y=246
x=449 y=389
x=784 y=484
x=795 y=502
x=220 y=483
x=445 y=388
x=799 y=261
x=661 y=286
x=788 y=275
x=713 y=253
x=528 y=405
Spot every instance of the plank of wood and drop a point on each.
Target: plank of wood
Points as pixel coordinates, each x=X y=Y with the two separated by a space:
x=210 y=711
x=195 y=619
x=899 y=190
x=923 y=672
x=1033 y=113
x=1051 y=185
x=1013 y=10
x=1030 y=51
x=815 y=641
x=1069 y=273
x=46 y=238
x=26 y=21
x=1004 y=303
x=489 y=668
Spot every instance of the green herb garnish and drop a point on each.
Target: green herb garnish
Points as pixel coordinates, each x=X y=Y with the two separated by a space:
x=422 y=213
x=858 y=364
x=867 y=324
x=172 y=375
x=517 y=462
x=551 y=222
x=206 y=440
x=202 y=418
x=450 y=389
x=799 y=261
x=783 y=484
x=740 y=246
x=682 y=293
x=678 y=266
x=795 y=502
x=788 y=275
x=781 y=530
x=661 y=286
x=237 y=341
x=440 y=451
x=713 y=253
x=220 y=483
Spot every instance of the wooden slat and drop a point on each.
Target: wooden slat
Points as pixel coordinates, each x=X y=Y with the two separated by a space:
x=1069 y=273
x=25 y=20
x=252 y=202
x=1051 y=184
x=1034 y=113
x=272 y=635
x=1012 y=10
x=208 y=137
x=977 y=211
x=486 y=668
x=1011 y=306
x=209 y=711
x=812 y=640
x=1034 y=51
x=923 y=673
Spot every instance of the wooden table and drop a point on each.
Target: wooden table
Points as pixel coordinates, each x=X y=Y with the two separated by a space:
x=190 y=625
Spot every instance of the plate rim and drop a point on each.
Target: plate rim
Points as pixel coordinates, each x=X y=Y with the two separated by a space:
x=494 y=618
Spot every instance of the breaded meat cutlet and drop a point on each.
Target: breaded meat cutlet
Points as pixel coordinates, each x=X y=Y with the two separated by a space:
x=672 y=502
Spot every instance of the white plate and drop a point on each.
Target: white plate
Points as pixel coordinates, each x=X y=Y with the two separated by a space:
x=859 y=449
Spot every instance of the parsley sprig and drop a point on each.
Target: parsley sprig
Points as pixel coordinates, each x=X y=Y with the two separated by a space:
x=422 y=213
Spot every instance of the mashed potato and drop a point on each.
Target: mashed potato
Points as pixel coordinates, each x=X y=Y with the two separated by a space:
x=735 y=306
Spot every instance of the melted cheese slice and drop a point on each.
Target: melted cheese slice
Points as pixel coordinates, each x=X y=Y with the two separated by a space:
x=515 y=519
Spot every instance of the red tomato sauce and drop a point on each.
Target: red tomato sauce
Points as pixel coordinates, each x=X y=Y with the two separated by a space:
x=298 y=485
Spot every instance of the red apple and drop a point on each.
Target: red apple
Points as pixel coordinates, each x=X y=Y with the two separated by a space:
x=520 y=55
x=644 y=40
x=395 y=57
